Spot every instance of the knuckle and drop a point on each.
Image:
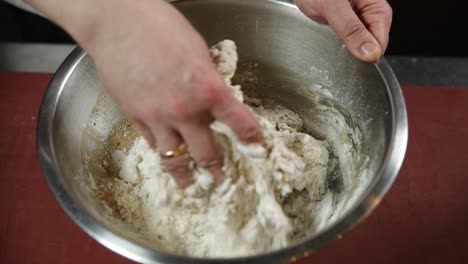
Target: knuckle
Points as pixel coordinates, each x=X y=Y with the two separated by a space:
x=177 y=168
x=228 y=113
x=205 y=93
x=210 y=89
x=388 y=10
x=317 y=5
x=312 y=9
x=383 y=10
x=242 y=121
x=304 y=6
x=251 y=133
x=353 y=30
x=210 y=163
x=318 y=19
x=179 y=110
x=212 y=94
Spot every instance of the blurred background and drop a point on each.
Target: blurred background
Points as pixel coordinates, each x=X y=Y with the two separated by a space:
x=420 y=28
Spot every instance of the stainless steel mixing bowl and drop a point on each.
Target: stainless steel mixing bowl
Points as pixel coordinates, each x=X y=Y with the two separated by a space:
x=291 y=52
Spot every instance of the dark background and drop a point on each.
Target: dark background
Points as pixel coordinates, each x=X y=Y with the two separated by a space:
x=420 y=28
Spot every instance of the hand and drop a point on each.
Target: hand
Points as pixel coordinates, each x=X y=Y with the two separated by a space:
x=363 y=25
x=159 y=70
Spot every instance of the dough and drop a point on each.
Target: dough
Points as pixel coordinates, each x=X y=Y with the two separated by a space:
x=265 y=203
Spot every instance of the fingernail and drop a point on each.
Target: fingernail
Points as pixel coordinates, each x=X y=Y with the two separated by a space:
x=370 y=50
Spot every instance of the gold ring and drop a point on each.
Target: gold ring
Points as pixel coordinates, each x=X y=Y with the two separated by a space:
x=181 y=150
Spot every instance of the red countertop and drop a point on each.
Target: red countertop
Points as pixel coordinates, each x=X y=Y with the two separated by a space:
x=421 y=220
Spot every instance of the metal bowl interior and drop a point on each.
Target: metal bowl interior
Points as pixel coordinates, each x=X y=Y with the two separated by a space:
x=296 y=59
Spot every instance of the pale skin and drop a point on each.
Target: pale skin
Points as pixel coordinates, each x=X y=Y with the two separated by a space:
x=158 y=68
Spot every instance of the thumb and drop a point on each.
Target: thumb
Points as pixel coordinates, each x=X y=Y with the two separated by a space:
x=358 y=40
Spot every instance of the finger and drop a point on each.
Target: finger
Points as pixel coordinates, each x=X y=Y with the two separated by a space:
x=145 y=132
x=179 y=167
x=309 y=9
x=239 y=118
x=378 y=19
x=203 y=148
x=359 y=41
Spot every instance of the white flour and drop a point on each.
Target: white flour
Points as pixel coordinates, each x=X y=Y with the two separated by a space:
x=266 y=202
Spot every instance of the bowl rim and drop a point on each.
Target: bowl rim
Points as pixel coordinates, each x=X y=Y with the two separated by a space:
x=387 y=172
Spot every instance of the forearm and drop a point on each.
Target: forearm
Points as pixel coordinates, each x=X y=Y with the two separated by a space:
x=99 y=23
